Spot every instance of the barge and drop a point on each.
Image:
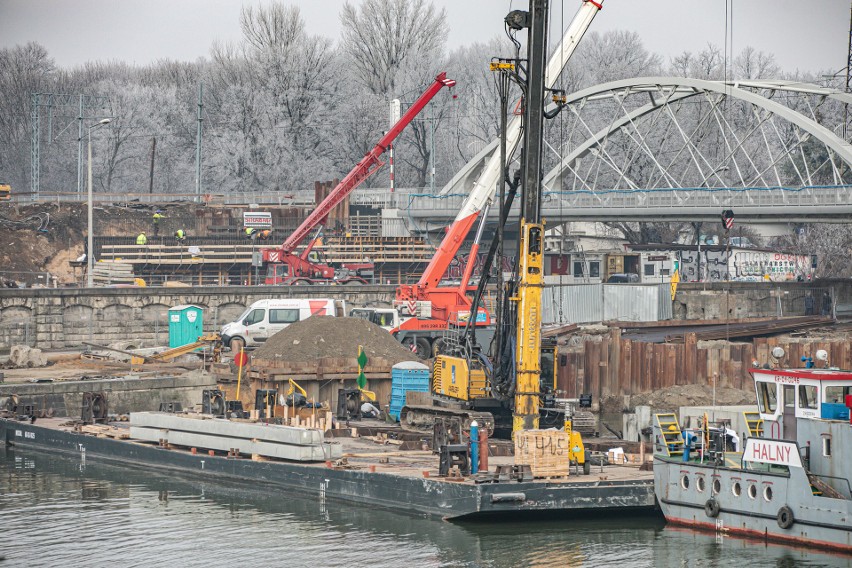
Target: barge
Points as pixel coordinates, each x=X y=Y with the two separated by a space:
x=791 y=481
x=372 y=474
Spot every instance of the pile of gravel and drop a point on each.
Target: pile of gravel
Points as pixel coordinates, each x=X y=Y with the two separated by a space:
x=321 y=337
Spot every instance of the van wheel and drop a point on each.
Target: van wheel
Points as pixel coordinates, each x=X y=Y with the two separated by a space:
x=236 y=344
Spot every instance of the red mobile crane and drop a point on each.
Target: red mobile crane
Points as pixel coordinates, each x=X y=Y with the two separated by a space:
x=285 y=266
x=428 y=309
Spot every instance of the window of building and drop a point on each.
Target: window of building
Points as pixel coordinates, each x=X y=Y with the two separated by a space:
x=578 y=269
x=808 y=396
x=284 y=315
x=595 y=269
x=665 y=272
x=649 y=270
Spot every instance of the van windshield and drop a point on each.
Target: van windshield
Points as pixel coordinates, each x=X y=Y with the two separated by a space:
x=254 y=317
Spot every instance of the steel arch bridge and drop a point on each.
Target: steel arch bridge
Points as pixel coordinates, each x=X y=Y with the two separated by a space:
x=666 y=148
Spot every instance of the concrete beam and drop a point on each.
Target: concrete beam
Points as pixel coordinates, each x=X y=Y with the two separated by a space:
x=227 y=428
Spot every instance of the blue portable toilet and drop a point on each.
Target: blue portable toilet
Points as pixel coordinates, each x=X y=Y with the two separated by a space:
x=406 y=377
x=186 y=325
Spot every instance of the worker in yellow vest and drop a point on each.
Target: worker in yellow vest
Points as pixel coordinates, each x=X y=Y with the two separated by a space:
x=180 y=235
x=142 y=239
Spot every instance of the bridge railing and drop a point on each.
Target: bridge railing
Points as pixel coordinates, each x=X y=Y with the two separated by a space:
x=816 y=196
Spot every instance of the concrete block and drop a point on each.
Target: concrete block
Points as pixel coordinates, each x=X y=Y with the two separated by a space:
x=322 y=452
x=226 y=428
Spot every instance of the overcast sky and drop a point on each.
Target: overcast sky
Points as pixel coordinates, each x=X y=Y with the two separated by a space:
x=809 y=35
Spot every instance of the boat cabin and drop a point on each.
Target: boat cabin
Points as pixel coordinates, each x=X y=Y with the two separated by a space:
x=786 y=395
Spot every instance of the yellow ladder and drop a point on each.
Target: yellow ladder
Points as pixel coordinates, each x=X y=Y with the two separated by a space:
x=754 y=423
x=670 y=430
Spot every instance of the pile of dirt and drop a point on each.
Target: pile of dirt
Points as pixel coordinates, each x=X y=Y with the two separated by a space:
x=323 y=337
x=28 y=252
x=672 y=398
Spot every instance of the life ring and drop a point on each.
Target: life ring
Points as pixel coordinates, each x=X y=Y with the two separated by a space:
x=711 y=508
x=785 y=517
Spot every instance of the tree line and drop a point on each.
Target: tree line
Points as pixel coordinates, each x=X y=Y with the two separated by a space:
x=283 y=108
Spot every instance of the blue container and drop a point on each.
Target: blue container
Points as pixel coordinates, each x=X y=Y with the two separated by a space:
x=406 y=377
x=185 y=325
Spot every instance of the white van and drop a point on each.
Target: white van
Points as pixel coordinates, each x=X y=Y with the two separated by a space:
x=265 y=318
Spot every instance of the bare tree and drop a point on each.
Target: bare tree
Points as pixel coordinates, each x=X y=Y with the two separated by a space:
x=24 y=70
x=753 y=64
x=383 y=37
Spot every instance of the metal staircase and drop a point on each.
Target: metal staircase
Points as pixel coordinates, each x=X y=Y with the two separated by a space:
x=754 y=423
x=672 y=440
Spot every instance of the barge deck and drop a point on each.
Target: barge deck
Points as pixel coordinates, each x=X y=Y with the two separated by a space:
x=378 y=475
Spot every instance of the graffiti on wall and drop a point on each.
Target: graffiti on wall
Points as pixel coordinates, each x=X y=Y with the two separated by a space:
x=744 y=265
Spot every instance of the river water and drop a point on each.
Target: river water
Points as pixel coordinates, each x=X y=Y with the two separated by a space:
x=57 y=511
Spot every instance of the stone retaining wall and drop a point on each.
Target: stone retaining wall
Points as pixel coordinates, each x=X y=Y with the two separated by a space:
x=61 y=318
x=127 y=394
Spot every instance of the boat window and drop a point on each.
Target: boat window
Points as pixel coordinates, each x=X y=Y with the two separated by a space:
x=700 y=484
x=808 y=396
x=767 y=493
x=767 y=397
x=826 y=446
x=789 y=396
x=752 y=491
x=837 y=393
x=684 y=482
x=736 y=489
x=717 y=486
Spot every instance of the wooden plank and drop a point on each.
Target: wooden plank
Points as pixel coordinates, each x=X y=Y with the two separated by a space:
x=625 y=367
x=701 y=357
x=690 y=358
x=614 y=361
x=670 y=364
x=649 y=380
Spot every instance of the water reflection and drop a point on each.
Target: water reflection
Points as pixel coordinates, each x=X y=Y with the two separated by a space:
x=53 y=512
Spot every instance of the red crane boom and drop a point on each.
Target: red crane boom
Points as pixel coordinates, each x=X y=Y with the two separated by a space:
x=365 y=168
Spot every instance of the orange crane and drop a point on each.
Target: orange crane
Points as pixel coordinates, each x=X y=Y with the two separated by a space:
x=427 y=309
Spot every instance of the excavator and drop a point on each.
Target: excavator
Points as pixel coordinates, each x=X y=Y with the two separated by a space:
x=508 y=387
x=285 y=266
x=427 y=309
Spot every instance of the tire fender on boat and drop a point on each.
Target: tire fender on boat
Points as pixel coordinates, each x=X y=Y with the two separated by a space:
x=785 y=517
x=712 y=508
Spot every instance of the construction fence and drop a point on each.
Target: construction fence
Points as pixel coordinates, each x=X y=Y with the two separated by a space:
x=589 y=303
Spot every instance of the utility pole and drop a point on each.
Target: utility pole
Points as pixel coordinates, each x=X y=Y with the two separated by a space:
x=198 y=142
x=151 y=176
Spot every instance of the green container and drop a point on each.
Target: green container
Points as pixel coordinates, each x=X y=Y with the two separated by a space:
x=186 y=325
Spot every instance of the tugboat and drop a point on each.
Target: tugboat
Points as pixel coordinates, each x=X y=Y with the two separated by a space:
x=790 y=482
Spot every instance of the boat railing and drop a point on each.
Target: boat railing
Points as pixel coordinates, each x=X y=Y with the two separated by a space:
x=846 y=494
